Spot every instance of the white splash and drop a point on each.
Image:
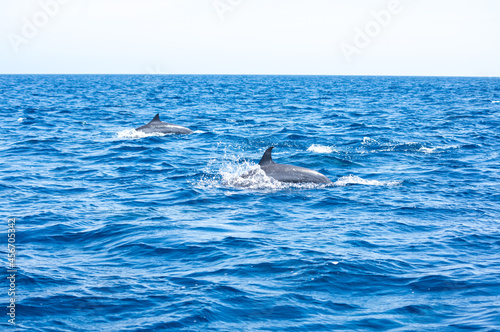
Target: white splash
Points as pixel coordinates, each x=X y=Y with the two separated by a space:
x=438 y=149
x=245 y=175
x=134 y=134
x=427 y=150
x=353 y=179
x=495 y=101
x=21 y=119
x=131 y=134
x=369 y=141
x=318 y=148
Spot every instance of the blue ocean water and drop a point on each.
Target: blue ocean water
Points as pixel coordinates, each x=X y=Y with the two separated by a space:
x=121 y=231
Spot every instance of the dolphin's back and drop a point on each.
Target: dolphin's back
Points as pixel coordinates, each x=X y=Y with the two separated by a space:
x=164 y=128
x=158 y=126
x=294 y=174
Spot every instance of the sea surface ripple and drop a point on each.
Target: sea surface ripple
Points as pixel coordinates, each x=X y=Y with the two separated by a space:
x=121 y=231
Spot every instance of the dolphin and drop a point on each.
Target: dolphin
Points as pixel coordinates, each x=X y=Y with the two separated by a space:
x=288 y=173
x=158 y=126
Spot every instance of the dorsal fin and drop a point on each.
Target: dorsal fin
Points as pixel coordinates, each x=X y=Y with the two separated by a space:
x=266 y=158
x=156 y=118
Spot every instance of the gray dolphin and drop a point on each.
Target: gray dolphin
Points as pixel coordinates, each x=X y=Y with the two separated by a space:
x=289 y=173
x=157 y=126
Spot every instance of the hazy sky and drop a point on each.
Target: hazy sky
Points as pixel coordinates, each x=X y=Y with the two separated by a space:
x=328 y=37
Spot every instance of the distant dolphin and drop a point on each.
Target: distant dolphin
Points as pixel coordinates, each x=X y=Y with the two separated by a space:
x=289 y=173
x=157 y=126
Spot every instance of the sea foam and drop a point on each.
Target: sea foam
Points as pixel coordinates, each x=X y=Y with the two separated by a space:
x=317 y=148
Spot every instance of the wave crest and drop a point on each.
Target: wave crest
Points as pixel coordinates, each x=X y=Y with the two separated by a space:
x=318 y=148
x=353 y=179
x=134 y=134
x=438 y=149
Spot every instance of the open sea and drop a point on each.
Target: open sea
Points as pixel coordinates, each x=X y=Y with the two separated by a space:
x=118 y=230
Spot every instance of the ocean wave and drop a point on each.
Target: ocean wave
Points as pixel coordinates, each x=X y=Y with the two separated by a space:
x=183 y=233
x=390 y=146
x=353 y=179
x=318 y=148
x=438 y=149
x=377 y=146
x=369 y=141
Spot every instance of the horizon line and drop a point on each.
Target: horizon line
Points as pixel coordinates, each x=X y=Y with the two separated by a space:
x=165 y=74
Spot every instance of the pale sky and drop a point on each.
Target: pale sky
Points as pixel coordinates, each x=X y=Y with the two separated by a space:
x=296 y=37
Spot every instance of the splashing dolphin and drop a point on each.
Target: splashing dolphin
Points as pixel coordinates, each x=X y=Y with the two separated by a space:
x=158 y=126
x=289 y=173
